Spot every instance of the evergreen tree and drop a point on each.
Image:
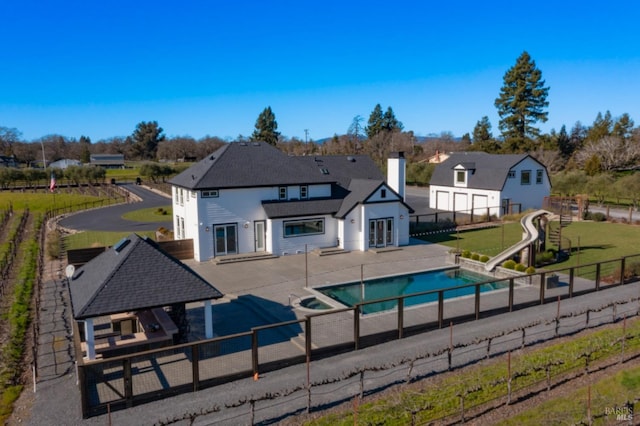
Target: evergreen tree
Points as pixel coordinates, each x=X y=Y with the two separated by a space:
x=564 y=143
x=623 y=127
x=522 y=103
x=602 y=126
x=390 y=123
x=379 y=122
x=145 y=139
x=483 y=138
x=266 y=128
x=376 y=122
x=85 y=154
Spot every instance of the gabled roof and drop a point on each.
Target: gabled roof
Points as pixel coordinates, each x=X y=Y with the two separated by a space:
x=488 y=171
x=134 y=274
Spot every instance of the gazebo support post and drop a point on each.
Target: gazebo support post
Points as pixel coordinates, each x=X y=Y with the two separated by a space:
x=90 y=338
x=208 y=320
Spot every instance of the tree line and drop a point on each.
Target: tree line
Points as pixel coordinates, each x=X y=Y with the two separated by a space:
x=610 y=144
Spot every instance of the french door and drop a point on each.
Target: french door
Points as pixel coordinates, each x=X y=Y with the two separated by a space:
x=380 y=232
x=225 y=239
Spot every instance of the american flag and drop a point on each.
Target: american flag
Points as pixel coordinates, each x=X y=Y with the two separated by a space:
x=52 y=185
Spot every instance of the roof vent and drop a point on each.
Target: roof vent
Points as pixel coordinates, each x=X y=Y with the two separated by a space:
x=212 y=158
x=324 y=171
x=351 y=159
x=256 y=144
x=121 y=244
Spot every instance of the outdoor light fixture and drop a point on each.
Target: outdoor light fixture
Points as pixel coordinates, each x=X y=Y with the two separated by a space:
x=206 y=229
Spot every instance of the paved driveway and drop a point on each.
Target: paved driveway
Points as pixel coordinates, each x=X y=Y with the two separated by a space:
x=110 y=218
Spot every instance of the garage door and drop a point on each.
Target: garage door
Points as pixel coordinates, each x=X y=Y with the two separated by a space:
x=480 y=204
x=460 y=203
x=442 y=200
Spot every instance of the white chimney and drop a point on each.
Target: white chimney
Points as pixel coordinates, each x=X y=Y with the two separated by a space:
x=396 y=172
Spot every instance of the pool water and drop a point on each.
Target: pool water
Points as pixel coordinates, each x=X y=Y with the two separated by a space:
x=352 y=293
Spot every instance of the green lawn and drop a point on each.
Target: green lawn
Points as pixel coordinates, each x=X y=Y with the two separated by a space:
x=99 y=238
x=152 y=214
x=596 y=241
x=42 y=201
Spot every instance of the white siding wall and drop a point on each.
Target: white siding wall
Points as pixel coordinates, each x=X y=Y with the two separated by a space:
x=353 y=236
x=382 y=211
x=532 y=195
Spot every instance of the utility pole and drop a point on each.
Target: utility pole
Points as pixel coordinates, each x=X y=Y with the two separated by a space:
x=306 y=135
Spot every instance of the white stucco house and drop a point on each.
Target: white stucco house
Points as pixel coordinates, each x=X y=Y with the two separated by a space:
x=250 y=197
x=478 y=182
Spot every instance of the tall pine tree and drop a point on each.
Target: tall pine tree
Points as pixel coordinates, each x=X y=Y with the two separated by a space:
x=266 y=128
x=522 y=103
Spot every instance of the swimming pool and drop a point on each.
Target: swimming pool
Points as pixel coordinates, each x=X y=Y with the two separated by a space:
x=350 y=294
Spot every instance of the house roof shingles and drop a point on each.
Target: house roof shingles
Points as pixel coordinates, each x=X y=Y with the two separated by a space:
x=258 y=164
x=138 y=275
x=489 y=171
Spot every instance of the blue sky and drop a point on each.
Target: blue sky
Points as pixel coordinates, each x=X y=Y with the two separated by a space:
x=97 y=68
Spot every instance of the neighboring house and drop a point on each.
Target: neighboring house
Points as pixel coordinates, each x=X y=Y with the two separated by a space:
x=8 y=161
x=438 y=157
x=108 y=161
x=478 y=182
x=64 y=163
x=250 y=197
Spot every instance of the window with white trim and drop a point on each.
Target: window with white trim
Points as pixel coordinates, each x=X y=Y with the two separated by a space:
x=539 y=176
x=461 y=177
x=512 y=174
x=304 y=192
x=282 y=193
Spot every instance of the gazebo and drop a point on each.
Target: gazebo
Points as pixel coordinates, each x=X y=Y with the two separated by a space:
x=132 y=298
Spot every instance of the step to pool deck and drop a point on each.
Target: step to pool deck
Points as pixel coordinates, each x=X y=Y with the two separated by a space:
x=234 y=258
x=330 y=251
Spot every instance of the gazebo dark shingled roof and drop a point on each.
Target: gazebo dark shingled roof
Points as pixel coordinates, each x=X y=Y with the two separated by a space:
x=135 y=274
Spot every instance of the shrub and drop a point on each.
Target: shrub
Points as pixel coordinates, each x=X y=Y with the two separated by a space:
x=520 y=267
x=530 y=270
x=509 y=264
x=596 y=217
x=484 y=258
x=475 y=256
x=466 y=254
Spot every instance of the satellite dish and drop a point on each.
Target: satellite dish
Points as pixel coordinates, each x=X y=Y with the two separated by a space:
x=69 y=271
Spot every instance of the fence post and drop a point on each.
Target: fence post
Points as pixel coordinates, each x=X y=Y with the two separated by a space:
x=571 y=275
x=622 y=266
x=477 y=301
x=254 y=351
x=128 y=382
x=307 y=349
x=440 y=308
x=400 y=317
x=195 y=367
x=597 y=276
x=356 y=326
x=511 y=286
x=543 y=282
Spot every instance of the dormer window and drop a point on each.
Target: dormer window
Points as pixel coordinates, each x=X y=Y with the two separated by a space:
x=282 y=193
x=461 y=177
x=304 y=192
